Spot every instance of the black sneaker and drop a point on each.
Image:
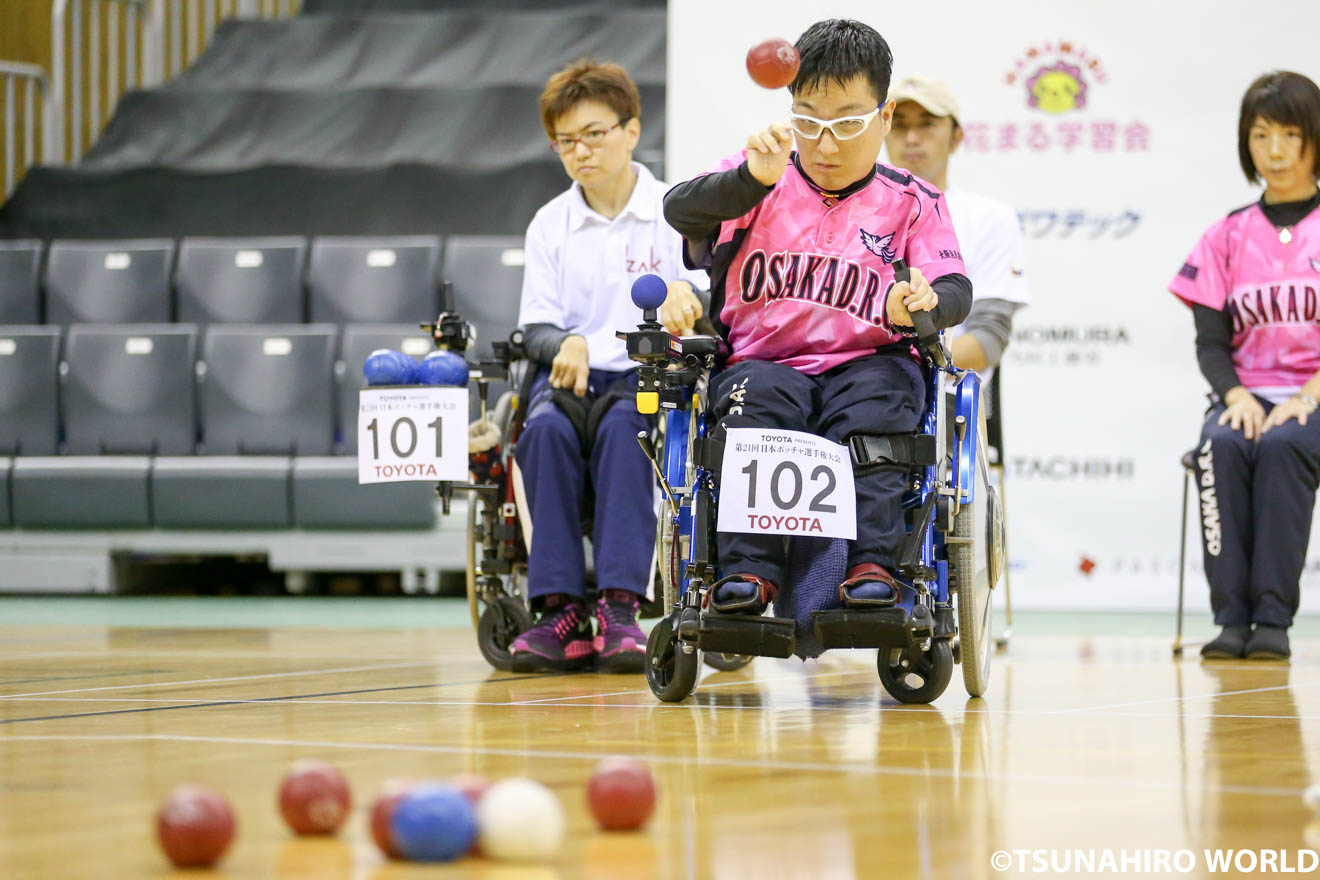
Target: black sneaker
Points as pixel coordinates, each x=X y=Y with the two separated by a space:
x=1228 y=644
x=1268 y=643
x=559 y=641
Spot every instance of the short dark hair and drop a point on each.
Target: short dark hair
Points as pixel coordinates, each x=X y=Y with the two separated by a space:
x=1284 y=98
x=839 y=49
x=588 y=80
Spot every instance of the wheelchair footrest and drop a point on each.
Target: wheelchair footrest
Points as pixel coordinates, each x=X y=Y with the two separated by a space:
x=872 y=628
x=745 y=634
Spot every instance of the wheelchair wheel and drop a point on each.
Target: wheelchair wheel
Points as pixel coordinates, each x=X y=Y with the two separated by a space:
x=973 y=568
x=670 y=671
x=912 y=676
x=503 y=621
x=474 y=606
x=726 y=662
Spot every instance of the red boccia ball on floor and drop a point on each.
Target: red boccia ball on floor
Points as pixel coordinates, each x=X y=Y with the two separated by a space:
x=382 y=808
x=314 y=798
x=621 y=794
x=195 y=826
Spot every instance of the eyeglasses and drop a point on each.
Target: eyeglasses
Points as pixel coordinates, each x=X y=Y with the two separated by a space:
x=844 y=128
x=592 y=139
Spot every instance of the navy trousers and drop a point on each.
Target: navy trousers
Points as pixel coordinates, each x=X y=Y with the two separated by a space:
x=557 y=477
x=880 y=394
x=1256 y=501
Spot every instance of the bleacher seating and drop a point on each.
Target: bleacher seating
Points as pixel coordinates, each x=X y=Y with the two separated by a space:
x=129 y=389
x=240 y=280
x=29 y=358
x=373 y=280
x=184 y=315
x=20 y=281
x=120 y=282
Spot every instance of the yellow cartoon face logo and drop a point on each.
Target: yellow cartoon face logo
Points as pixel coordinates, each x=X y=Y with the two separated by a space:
x=1057 y=89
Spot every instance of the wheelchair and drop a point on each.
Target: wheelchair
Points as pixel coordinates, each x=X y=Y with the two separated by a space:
x=950 y=562
x=499 y=533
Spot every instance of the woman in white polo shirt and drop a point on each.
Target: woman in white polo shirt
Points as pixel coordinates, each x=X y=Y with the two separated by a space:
x=584 y=249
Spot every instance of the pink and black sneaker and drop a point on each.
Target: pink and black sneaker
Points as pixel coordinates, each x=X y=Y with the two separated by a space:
x=620 y=643
x=559 y=641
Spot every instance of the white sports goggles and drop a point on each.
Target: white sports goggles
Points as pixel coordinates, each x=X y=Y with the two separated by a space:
x=844 y=128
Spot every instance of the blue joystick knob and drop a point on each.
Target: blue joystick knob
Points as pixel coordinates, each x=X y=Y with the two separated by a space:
x=649 y=292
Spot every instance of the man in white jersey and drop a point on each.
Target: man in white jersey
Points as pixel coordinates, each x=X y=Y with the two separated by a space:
x=924 y=135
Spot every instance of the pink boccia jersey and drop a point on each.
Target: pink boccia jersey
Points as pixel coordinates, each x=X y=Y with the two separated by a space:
x=807 y=285
x=1270 y=289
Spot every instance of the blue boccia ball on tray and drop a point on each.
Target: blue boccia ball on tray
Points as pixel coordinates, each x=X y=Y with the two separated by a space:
x=443 y=368
x=434 y=823
x=385 y=366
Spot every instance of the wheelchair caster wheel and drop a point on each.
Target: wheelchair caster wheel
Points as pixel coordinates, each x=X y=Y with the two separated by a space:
x=913 y=676
x=503 y=621
x=725 y=662
x=670 y=671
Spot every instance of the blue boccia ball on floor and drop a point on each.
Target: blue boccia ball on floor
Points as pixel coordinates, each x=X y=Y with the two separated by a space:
x=443 y=368
x=388 y=367
x=434 y=823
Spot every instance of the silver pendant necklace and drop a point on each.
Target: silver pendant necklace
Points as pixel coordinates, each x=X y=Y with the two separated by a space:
x=1285 y=234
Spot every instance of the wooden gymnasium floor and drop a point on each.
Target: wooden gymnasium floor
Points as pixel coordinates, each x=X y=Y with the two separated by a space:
x=1091 y=738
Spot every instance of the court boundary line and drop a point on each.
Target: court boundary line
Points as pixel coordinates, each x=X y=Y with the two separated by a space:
x=315 y=700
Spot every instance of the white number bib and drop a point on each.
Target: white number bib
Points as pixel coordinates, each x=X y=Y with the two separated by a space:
x=777 y=482
x=412 y=433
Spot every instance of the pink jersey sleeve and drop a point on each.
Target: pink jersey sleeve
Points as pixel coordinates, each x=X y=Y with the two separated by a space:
x=1203 y=278
x=932 y=245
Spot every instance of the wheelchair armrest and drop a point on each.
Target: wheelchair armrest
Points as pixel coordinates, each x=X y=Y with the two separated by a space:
x=701 y=347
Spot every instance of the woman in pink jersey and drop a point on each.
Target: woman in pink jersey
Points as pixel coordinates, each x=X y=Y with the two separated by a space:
x=1253 y=284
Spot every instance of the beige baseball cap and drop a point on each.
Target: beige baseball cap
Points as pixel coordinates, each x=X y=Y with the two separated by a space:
x=927 y=91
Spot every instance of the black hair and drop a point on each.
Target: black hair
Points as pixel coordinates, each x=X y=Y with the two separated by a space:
x=839 y=49
x=1284 y=98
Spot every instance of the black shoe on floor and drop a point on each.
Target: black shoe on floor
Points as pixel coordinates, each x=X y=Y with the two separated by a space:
x=1229 y=644
x=1268 y=643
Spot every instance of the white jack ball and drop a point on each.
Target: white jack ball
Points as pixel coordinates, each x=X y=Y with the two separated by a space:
x=520 y=820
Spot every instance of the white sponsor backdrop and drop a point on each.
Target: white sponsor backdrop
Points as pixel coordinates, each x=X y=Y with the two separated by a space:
x=1102 y=392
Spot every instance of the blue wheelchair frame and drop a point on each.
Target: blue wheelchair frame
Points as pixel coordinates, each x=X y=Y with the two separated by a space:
x=916 y=638
x=966 y=413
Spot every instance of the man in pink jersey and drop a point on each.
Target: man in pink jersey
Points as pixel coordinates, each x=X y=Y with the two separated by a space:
x=800 y=246
x=1253 y=283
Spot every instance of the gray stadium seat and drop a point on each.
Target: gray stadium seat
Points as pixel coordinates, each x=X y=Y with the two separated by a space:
x=20 y=281
x=360 y=340
x=29 y=361
x=130 y=389
x=6 y=466
x=103 y=491
x=267 y=390
x=366 y=280
x=121 y=282
x=250 y=491
x=240 y=280
x=486 y=272
x=326 y=495
x=265 y=395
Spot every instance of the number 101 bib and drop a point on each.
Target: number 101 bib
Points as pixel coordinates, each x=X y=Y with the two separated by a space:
x=411 y=433
x=776 y=482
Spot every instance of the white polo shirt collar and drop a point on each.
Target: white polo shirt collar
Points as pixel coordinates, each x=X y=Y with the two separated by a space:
x=642 y=204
